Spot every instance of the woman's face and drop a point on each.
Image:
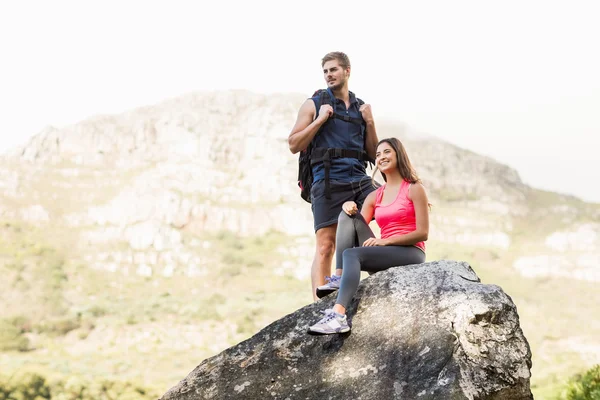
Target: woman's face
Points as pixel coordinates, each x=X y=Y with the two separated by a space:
x=385 y=157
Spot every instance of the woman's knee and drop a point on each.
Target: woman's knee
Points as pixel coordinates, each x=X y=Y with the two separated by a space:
x=349 y=254
x=344 y=218
x=358 y=218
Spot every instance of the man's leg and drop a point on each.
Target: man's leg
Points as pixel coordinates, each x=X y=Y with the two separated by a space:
x=326 y=212
x=323 y=255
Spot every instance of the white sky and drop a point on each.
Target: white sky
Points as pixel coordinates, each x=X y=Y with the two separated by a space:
x=515 y=80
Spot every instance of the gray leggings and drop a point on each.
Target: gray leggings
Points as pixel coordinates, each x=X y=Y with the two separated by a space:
x=352 y=231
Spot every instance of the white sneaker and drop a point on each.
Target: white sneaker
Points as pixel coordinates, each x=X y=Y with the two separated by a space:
x=333 y=284
x=331 y=323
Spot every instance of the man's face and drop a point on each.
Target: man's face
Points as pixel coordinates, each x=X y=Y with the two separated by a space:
x=335 y=76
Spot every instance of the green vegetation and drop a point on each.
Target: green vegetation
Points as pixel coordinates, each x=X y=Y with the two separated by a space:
x=35 y=386
x=76 y=322
x=551 y=212
x=584 y=386
x=11 y=336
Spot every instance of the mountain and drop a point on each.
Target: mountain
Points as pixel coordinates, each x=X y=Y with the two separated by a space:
x=170 y=232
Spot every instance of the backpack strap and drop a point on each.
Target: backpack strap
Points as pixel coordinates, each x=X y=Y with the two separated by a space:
x=325 y=98
x=369 y=159
x=357 y=121
x=321 y=153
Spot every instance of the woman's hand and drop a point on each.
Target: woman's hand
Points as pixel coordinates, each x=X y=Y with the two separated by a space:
x=370 y=242
x=350 y=208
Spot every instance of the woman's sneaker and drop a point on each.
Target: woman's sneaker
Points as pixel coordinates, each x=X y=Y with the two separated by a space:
x=333 y=284
x=331 y=323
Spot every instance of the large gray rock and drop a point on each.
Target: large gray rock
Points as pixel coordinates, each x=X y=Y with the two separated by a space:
x=427 y=331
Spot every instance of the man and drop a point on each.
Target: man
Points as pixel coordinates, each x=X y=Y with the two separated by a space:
x=340 y=136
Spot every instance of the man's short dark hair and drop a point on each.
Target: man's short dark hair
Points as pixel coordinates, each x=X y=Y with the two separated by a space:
x=341 y=58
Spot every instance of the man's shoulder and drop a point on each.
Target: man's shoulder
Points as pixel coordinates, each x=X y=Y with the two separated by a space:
x=319 y=94
x=323 y=95
x=354 y=97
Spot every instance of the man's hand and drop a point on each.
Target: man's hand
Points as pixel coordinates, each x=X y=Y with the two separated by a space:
x=350 y=208
x=366 y=113
x=325 y=112
x=370 y=242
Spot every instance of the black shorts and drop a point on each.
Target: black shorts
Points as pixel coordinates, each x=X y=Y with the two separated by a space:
x=326 y=211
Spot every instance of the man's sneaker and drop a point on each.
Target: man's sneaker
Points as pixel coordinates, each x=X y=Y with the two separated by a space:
x=331 y=323
x=333 y=284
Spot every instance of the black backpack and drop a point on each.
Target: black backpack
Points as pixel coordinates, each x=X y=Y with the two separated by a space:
x=312 y=155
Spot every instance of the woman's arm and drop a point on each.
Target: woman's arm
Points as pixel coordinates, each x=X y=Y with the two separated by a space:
x=368 y=208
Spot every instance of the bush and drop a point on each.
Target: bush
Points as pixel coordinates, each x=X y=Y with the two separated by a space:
x=33 y=386
x=208 y=308
x=11 y=337
x=26 y=387
x=97 y=311
x=59 y=326
x=21 y=322
x=584 y=387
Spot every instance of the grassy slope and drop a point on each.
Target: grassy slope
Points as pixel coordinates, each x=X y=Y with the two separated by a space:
x=98 y=323
x=234 y=302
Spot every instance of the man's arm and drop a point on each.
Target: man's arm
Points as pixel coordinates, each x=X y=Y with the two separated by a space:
x=307 y=126
x=371 y=139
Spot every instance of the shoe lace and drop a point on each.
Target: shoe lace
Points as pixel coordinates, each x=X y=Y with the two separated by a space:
x=333 y=278
x=329 y=315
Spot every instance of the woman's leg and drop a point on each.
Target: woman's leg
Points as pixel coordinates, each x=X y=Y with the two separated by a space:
x=352 y=231
x=372 y=259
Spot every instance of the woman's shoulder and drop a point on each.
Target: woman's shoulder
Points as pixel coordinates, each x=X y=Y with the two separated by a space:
x=416 y=189
x=375 y=195
x=378 y=189
x=416 y=184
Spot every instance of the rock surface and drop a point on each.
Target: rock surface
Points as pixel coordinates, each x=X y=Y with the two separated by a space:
x=426 y=331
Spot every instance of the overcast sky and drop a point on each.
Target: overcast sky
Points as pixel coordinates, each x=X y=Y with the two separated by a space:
x=515 y=80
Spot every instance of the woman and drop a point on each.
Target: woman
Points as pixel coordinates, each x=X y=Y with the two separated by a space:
x=401 y=210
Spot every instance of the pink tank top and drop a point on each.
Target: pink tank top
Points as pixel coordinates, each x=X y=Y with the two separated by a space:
x=398 y=217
